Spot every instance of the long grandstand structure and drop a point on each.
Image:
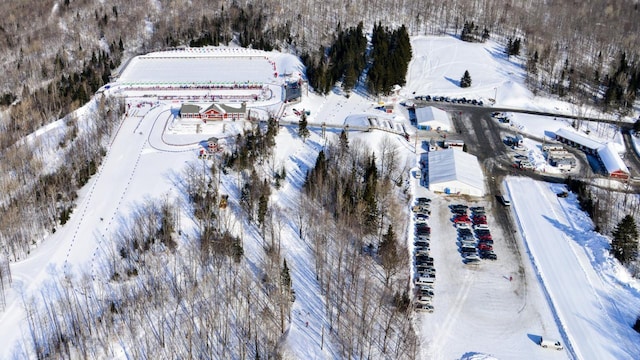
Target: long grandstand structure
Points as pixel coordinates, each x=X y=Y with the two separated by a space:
x=212 y=83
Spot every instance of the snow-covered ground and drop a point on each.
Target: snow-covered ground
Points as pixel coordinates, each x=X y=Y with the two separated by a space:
x=593 y=309
x=568 y=287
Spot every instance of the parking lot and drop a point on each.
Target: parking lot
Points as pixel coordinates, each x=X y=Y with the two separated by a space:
x=447 y=277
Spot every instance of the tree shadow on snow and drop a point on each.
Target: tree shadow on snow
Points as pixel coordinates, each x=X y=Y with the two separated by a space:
x=453 y=81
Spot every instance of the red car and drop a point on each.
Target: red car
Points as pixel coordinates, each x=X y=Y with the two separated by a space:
x=462 y=218
x=485 y=237
x=484 y=247
x=479 y=221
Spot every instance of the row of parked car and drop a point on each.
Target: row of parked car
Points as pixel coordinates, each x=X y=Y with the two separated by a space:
x=450 y=100
x=474 y=236
x=425 y=276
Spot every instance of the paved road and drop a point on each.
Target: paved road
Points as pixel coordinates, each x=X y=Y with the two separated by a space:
x=488 y=109
x=631 y=158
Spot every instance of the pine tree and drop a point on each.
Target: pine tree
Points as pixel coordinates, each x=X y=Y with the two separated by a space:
x=344 y=141
x=624 y=245
x=464 y=34
x=303 y=131
x=485 y=35
x=388 y=250
x=285 y=280
x=465 y=81
x=513 y=47
x=263 y=206
x=285 y=276
x=369 y=195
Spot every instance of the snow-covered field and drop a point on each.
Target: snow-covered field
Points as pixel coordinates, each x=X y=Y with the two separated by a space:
x=568 y=287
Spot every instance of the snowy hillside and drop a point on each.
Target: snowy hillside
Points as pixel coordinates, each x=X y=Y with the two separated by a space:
x=558 y=281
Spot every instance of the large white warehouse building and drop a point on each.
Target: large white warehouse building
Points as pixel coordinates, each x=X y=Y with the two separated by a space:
x=455 y=172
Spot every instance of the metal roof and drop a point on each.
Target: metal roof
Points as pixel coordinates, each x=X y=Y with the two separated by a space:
x=455 y=165
x=579 y=138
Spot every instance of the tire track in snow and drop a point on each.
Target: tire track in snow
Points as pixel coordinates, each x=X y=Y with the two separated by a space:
x=452 y=315
x=85 y=203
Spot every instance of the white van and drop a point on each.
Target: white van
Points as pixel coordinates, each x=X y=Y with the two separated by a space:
x=550 y=343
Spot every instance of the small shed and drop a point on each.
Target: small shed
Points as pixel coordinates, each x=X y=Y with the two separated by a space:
x=212 y=142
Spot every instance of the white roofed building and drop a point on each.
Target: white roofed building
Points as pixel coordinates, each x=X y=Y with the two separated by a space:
x=612 y=162
x=455 y=172
x=578 y=140
x=606 y=153
x=431 y=118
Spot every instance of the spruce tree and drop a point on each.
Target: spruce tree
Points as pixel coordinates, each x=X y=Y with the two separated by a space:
x=369 y=195
x=303 y=131
x=388 y=252
x=263 y=206
x=465 y=81
x=624 y=245
x=485 y=35
x=344 y=141
x=285 y=276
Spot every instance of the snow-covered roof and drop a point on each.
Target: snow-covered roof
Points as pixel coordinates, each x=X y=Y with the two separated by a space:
x=579 y=138
x=222 y=108
x=190 y=109
x=453 y=165
x=433 y=117
x=611 y=159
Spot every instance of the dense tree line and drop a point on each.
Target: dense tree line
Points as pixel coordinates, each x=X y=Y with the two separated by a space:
x=347 y=54
x=390 y=56
x=347 y=59
x=622 y=84
x=588 y=36
x=471 y=33
x=247 y=25
x=343 y=61
x=578 y=62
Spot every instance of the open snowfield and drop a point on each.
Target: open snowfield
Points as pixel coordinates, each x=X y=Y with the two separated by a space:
x=568 y=287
